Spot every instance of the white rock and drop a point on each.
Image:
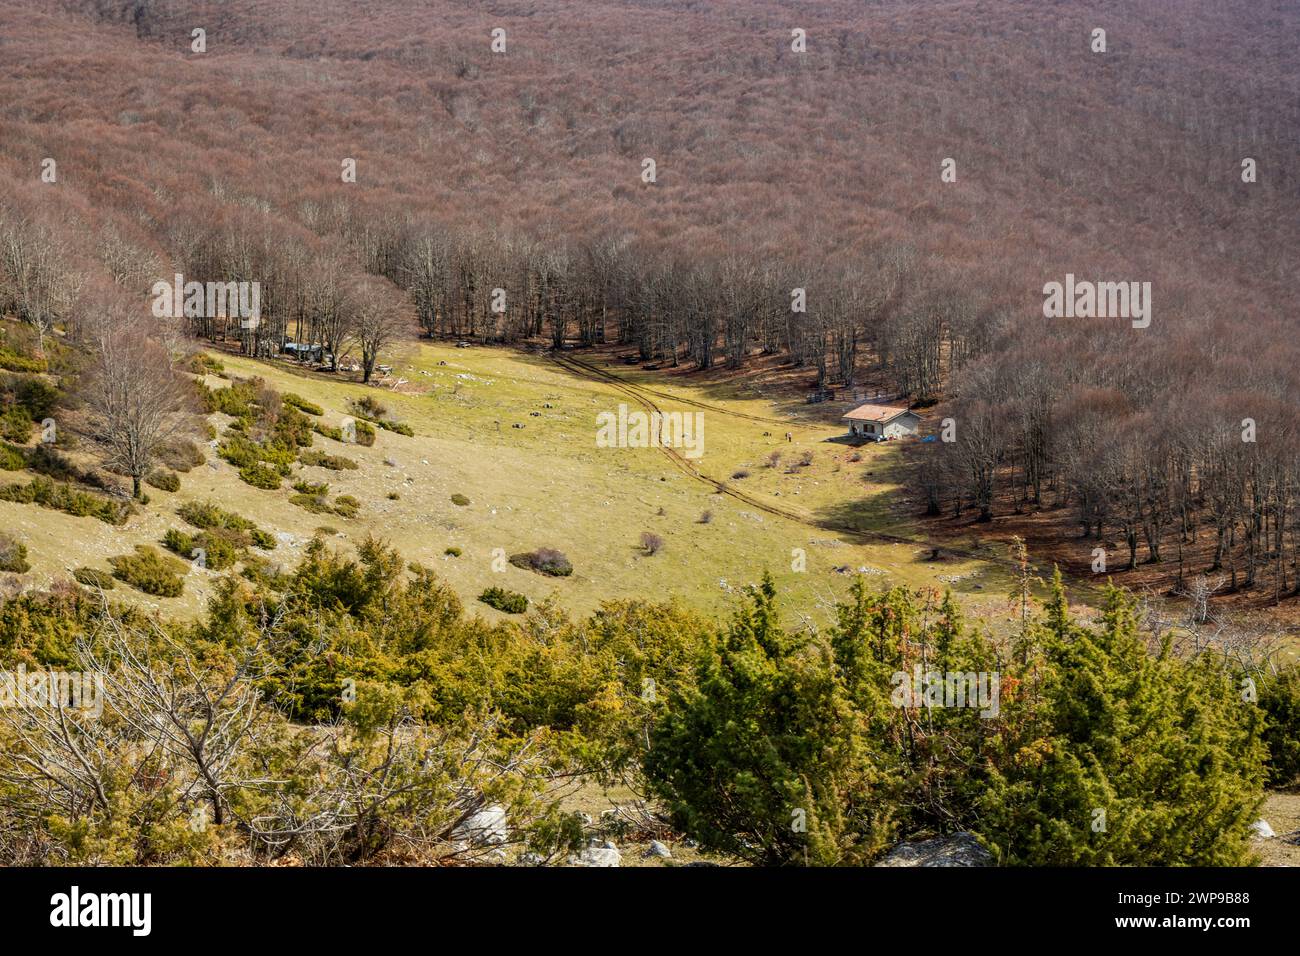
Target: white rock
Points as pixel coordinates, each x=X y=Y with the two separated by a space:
x=1262 y=829
x=597 y=856
x=485 y=828
x=657 y=849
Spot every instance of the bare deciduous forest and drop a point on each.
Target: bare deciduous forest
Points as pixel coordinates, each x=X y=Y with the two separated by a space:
x=774 y=170
x=855 y=199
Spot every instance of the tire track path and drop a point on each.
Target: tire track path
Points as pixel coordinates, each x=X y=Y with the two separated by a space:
x=645 y=397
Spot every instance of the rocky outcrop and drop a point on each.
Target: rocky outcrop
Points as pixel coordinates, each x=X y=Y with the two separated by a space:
x=956 y=849
x=606 y=855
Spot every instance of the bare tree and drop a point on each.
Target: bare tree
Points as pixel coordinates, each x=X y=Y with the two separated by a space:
x=132 y=266
x=378 y=321
x=332 y=310
x=981 y=437
x=426 y=272
x=178 y=735
x=136 y=399
x=34 y=274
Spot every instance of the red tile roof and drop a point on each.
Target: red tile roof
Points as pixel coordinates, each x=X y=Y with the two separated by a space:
x=874 y=413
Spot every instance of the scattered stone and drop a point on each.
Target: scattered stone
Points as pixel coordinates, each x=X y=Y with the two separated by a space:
x=956 y=849
x=597 y=856
x=657 y=849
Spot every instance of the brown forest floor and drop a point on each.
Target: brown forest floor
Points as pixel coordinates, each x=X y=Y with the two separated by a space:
x=1050 y=531
x=1053 y=536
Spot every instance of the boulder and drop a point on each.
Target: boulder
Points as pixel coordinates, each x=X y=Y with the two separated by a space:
x=597 y=856
x=657 y=849
x=956 y=849
x=487 y=827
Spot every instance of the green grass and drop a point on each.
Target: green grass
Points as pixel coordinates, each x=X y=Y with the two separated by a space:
x=547 y=484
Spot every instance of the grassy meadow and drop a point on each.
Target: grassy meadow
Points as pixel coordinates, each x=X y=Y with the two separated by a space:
x=547 y=484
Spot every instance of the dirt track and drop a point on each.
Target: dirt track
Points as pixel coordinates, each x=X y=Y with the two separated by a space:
x=645 y=397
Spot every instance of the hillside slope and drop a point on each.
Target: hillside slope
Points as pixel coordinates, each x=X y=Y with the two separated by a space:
x=547 y=484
